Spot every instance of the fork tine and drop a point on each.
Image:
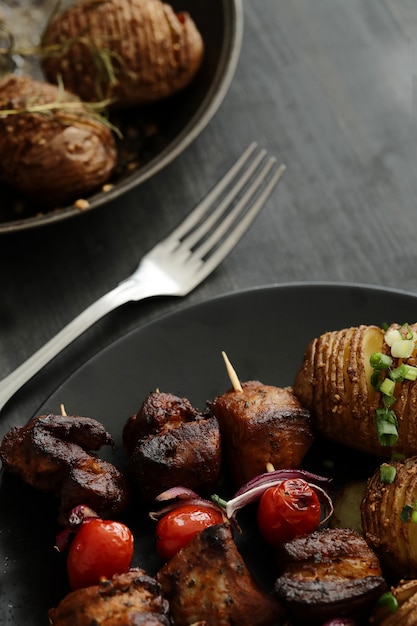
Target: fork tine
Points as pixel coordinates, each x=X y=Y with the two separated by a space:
x=243 y=225
x=210 y=220
x=227 y=221
x=195 y=216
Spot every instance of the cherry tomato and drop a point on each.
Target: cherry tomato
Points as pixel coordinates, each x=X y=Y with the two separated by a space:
x=288 y=510
x=100 y=549
x=179 y=526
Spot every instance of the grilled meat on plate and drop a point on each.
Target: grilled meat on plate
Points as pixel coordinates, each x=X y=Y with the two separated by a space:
x=131 y=599
x=208 y=582
x=171 y=443
x=261 y=424
x=51 y=453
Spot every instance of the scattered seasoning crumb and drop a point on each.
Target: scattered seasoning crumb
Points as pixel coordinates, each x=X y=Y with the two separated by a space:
x=106 y=188
x=82 y=204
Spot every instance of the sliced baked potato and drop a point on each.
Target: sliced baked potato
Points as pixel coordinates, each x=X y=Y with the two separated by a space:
x=335 y=382
x=389 y=521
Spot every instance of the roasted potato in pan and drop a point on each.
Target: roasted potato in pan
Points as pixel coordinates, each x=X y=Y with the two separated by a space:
x=133 y=51
x=334 y=382
x=51 y=148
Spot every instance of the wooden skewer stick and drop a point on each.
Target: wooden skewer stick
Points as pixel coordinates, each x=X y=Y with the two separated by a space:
x=270 y=467
x=232 y=374
x=63 y=411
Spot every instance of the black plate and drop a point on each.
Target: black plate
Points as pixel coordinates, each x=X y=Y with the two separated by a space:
x=264 y=332
x=178 y=121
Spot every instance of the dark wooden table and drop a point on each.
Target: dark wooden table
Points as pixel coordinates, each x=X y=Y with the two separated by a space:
x=329 y=87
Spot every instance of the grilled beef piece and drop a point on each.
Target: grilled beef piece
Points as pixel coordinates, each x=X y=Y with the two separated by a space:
x=171 y=443
x=131 y=599
x=208 y=582
x=331 y=572
x=51 y=453
x=259 y=425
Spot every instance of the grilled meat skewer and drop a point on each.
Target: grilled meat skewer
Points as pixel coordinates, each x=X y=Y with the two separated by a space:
x=171 y=443
x=127 y=599
x=51 y=453
x=259 y=425
x=330 y=573
x=208 y=582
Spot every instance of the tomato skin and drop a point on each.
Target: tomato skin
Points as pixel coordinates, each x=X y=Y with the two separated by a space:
x=288 y=510
x=179 y=526
x=100 y=549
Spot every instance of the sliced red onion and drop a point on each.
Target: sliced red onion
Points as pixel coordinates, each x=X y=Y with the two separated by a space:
x=77 y=516
x=253 y=490
x=179 y=496
x=182 y=493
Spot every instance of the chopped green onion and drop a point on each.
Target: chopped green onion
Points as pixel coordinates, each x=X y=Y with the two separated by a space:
x=387 y=473
x=389 y=600
x=403 y=348
x=376 y=379
x=392 y=335
x=388 y=401
x=414 y=517
x=406 y=331
x=397 y=456
x=398 y=374
x=411 y=372
x=380 y=361
x=406 y=513
x=386 y=426
x=387 y=387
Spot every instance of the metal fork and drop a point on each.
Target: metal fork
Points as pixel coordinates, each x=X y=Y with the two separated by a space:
x=179 y=263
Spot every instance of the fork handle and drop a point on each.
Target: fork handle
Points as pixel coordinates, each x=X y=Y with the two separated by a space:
x=124 y=292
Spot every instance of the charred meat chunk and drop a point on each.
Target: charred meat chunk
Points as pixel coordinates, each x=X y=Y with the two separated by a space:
x=259 y=425
x=52 y=453
x=208 y=582
x=130 y=599
x=331 y=572
x=171 y=443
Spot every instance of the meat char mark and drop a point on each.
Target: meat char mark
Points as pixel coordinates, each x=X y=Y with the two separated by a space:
x=261 y=424
x=171 y=443
x=52 y=454
x=331 y=572
x=131 y=599
x=208 y=582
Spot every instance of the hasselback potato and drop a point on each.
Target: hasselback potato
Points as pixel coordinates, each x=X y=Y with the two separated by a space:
x=133 y=51
x=388 y=522
x=335 y=382
x=51 y=147
x=405 y=595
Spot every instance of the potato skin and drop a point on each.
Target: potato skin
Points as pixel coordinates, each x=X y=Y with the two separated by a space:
x=334 y=383
x=392 y=536
x=406 y=596
x=54 y=157
x=154 y=52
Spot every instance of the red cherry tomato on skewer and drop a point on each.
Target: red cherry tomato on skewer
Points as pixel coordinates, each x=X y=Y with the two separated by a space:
x=179 y=526
x=288 y=510
x=100 y=549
